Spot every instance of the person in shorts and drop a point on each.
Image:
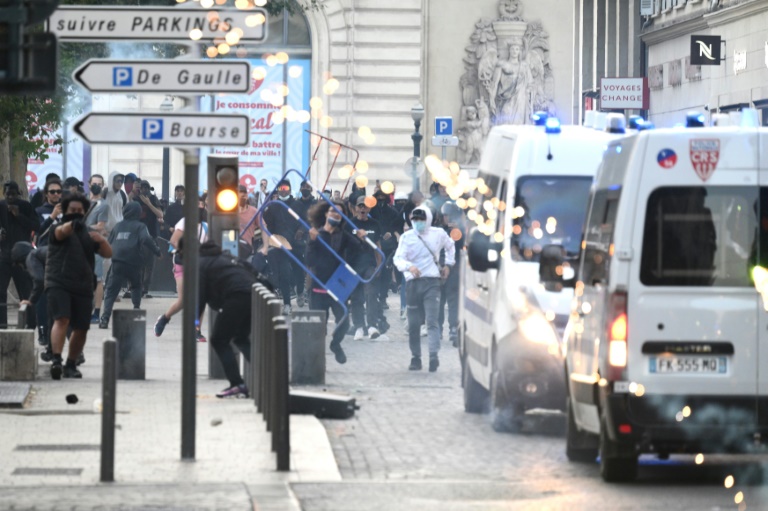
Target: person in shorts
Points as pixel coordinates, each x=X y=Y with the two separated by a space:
x=69 y=282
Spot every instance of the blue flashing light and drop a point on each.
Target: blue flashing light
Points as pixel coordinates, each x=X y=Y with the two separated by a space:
x=618 y=149
x=539 y=118
x=614 y=187
x=695 y=120
x=552 y=125
x=634 y=122
x=645 y=125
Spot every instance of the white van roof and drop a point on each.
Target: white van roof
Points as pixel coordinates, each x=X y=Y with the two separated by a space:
x=576 y=150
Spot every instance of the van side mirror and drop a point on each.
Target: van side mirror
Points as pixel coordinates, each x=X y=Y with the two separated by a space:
x=554 y=271
x=482 y=253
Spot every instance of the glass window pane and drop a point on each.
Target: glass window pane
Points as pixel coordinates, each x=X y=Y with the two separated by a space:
x=298 y=30
x=699 y=236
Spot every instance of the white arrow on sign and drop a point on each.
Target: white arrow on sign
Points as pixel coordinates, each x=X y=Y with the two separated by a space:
x=164 y=129
x=204 y=76
x=97 y=23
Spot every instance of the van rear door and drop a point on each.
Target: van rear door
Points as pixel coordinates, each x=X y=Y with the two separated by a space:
x=692 y=308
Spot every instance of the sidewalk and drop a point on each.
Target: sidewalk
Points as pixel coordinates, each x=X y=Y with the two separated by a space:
x=50 y=450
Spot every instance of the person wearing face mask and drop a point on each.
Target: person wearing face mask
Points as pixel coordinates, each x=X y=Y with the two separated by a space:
x=69 y=282
x=326 y=225
x=280 y=222
x=301 y=206
x=96 y=220
x=417 y=256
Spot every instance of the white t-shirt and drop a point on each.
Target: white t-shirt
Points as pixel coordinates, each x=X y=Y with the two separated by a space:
x=202 y=229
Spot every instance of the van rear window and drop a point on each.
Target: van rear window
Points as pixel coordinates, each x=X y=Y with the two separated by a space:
x=700 y=236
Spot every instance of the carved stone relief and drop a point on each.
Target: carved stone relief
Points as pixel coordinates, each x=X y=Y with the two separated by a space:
x=507 y=77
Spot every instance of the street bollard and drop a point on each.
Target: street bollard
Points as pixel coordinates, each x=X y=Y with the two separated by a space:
x=109 y=407
x=274 y=307
x=269 y=396
x=23 y=316
x=281 y=433
x=260 y=297
x=129 y=328
x=308 y=347
x=250 y=372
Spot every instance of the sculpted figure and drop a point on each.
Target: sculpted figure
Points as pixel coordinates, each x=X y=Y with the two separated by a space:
x=509 y=88
x=484 y=115
x=511 y=10
x=471 y=135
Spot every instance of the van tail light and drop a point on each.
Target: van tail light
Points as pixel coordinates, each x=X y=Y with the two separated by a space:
x=617 y=327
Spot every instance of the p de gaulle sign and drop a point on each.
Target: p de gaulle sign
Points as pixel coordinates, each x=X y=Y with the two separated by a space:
x=624 y=93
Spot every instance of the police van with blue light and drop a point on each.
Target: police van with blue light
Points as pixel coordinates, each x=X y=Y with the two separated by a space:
x=668 y=329
x=532 y=191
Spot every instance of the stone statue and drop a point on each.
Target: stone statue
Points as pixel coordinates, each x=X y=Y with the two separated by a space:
x=507 y=75
x=471 y=136
x=511 y=10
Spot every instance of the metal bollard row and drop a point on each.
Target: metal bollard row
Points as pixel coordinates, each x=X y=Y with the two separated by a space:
x=268 y=375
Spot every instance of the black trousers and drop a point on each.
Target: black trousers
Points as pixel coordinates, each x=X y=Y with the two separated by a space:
x=119 y=274
x=323 y=302
x=233 y=325
x=21 y=280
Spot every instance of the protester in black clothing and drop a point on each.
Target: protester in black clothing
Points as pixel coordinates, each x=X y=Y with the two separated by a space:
x=455 y=225
x=151 y=215
x=17 y=222
x=280 y=222
x=301 y=206
x=32 y=259
x=225 y=286
x=390 y=229
x=50 y=211
x=69 y=282
x=72 y=185
x=415 y=199
x=175 y=211
x=326 y=225
x=364 y=300
x=129 y=239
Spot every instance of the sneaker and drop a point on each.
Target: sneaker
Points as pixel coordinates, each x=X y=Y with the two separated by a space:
x=359 y=334
x=373 y=332
x=127 y=294
x=95 y=319
x=56 y=370
x=46 y=356
x=199 y=336
x=238 y=391
x=453 y=336
x=160 y=325
x=301 y=300
x=434 y=363
x=104 y=323
x=338 y=352
x=42 y=341
x=80 y=360
x=147 y=295
x=383 y=325
x=403 y=315
x=286 y=309
x=72 y=372
x=423 y=330
x=415 y=364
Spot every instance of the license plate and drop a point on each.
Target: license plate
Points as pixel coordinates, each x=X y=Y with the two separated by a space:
x=697 y=365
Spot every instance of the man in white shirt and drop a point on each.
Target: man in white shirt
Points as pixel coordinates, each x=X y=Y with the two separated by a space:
x=418 y=258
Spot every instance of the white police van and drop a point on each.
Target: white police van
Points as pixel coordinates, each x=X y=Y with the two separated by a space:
x=534 y=183
x=668 y=333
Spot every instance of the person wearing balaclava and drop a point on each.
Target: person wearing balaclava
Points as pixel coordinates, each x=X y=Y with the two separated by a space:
x=280 y=222
x=301 y=207
x=417 y=256
x=69 y=282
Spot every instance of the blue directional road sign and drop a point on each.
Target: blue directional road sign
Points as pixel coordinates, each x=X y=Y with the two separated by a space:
x=443 y=126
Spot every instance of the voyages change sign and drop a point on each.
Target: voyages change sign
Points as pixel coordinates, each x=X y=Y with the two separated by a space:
x=624 y=93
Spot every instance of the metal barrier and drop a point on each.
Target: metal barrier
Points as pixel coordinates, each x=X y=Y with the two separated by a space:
x=269 y=369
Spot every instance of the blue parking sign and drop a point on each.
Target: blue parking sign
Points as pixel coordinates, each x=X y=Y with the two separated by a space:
x=122 y=76
x=152 y=129
x=443 y=126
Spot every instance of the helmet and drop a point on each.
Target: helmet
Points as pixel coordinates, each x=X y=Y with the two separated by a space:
x=401 y=196
x=20 y=251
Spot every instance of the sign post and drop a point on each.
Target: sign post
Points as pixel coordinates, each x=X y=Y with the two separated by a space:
x=443 y=131
x=172 y=76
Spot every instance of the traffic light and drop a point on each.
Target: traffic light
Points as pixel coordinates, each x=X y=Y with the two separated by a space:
x=225 y=182
x=28 y=61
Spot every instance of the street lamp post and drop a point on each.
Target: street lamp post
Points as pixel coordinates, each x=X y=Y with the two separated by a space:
x=417 y=114
x=166 y=106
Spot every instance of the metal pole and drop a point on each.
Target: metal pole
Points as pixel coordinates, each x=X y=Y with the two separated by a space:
x=191 y=259
x=64 y=150
x=416 y=137
x=166 y=174
x=109 y=406
x=282 y=430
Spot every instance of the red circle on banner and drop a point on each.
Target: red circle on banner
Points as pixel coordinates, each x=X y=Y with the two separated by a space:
x=248 y=181
x=31 y=179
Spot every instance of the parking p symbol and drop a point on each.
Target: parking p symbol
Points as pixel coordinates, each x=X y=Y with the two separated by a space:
x=152 y=129
x=122 y=76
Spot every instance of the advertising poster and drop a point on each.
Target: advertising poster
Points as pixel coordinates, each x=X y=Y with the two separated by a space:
x=38 y=169
x=277 y=142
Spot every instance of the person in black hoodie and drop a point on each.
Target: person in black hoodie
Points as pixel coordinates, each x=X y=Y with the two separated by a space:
x=225 y=286
x=17 y=221
x=127 y=239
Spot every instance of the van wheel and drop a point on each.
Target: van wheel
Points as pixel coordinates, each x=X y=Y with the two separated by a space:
x=475 y=396
x=618 y=461
x=506 y=417
x=580 y=446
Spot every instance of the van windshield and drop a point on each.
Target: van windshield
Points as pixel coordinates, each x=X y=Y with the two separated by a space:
x=548 y=210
